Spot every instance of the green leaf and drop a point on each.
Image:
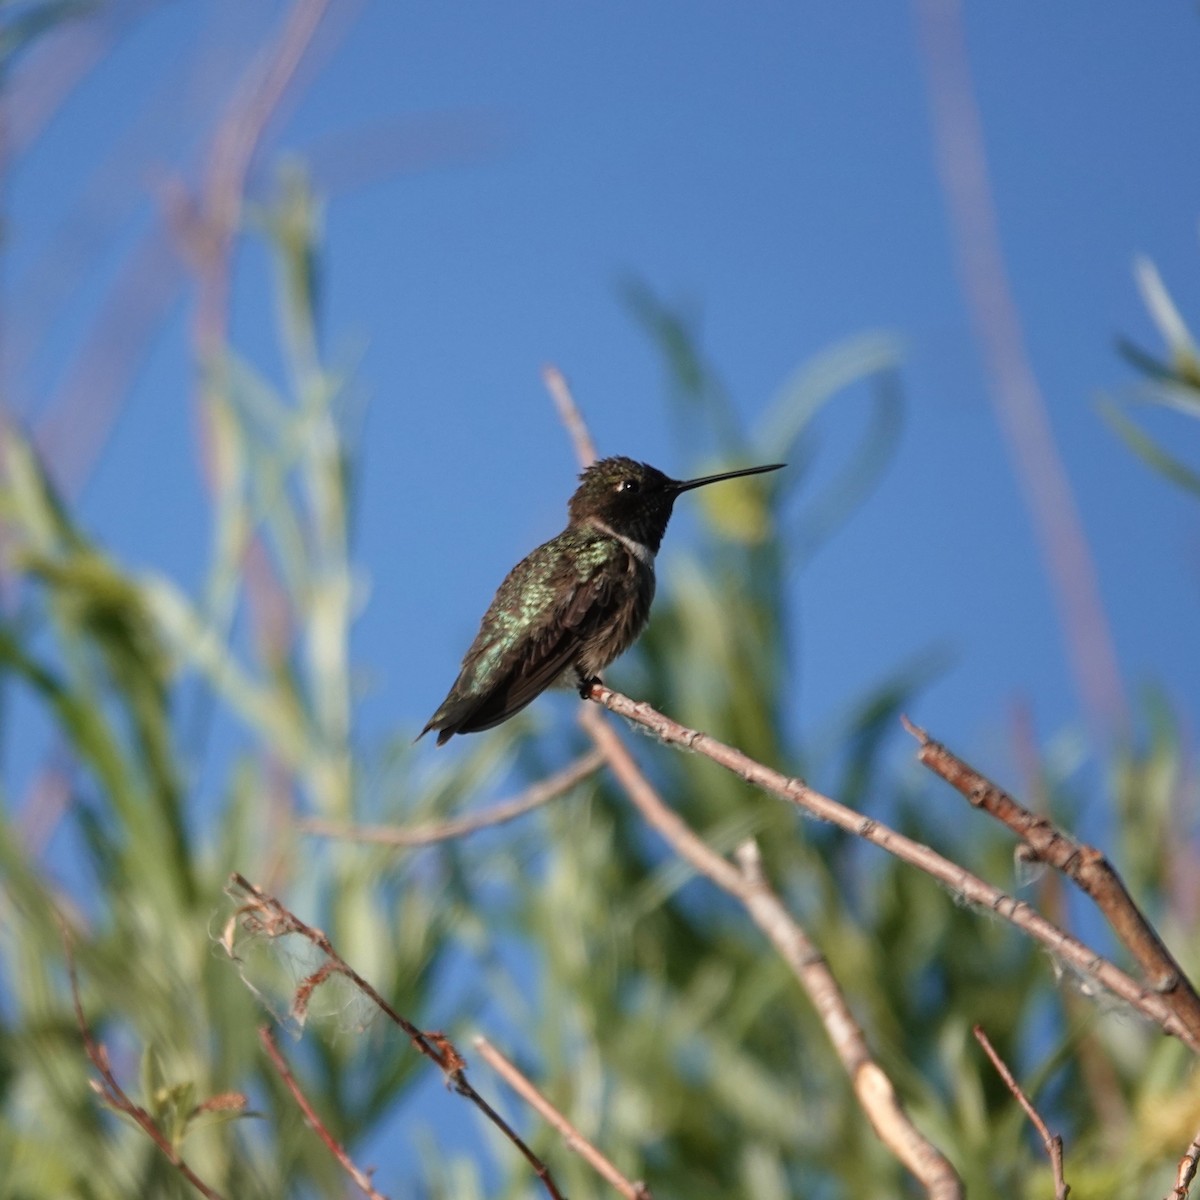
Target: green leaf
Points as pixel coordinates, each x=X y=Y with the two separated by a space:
x=1149 y=451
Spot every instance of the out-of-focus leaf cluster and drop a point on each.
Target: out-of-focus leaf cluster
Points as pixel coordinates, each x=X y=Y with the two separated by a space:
x=135 y=683
x=1173 y=382
x=192 y=731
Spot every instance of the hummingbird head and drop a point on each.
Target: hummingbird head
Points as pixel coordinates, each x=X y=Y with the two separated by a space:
x=635 y=500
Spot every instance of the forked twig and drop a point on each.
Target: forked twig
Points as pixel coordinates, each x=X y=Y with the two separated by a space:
x=1052 y=1142
x=361 y=1178
x=1069 y=950
x=261 y=913
x=111 y=1092
x=1085 y=865
x=745 y=882
x=635 y=1190
x=539 y=794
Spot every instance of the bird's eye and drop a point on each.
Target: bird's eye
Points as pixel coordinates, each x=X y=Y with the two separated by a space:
x=627 y=485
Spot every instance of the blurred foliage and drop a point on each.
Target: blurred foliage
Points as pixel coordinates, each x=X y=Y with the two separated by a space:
x=646 y=1005
x=118 y=661
x=1173 y=383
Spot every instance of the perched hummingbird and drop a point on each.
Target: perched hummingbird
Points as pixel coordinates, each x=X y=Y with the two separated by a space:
x=574 y=604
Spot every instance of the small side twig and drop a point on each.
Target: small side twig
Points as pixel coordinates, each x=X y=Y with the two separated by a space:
x=568 y=411
x=635 y=1190
x=745 y=882
x=361 y=1178
x=261 y=913
x=1085 y=865
x=1188 y=1165
x=1052 y=1142
x=111 y=1092
x=539 y=794
x=1067 y=949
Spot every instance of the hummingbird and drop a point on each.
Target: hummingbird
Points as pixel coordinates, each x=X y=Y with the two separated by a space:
x=567 y=610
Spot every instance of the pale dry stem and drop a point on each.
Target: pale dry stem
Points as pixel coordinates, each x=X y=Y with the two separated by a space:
x=361 y=1178
x=523 y=1086
x=745 y=882
x=1052 y=1141
x=541 y=793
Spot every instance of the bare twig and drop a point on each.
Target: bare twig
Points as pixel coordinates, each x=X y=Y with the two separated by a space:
x=1083 y=864
x=111 y=1092
x=575 y=1140
x=1069 y=950
x=1016 y=397
x=1099 y=1076
x=1052 y=1142
x=261 y=913
x=211 y=230
x=360 y=1177
x=572 y=418
x=746 y=883
x=1187 y=1171
x=534 y=797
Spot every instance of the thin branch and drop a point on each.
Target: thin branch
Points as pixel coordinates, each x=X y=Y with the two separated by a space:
x=1187 y=1171
x=1017 y=400
x=1052 y=1142
x=360 y=1177
x=539 y=794
x=575 y=1140
x=1083 y=864
x=1069 y=950
x=262 y=914
x=230 y=156
x=745 y=882
x=568 y=411
x=111 y=1092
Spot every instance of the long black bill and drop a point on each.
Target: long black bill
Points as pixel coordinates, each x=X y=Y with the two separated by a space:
x=686 y=486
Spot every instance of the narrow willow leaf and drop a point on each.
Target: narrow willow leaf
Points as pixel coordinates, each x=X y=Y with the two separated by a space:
x=1149 y=451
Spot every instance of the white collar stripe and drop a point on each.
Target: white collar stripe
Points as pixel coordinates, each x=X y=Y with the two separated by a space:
x=639 y=550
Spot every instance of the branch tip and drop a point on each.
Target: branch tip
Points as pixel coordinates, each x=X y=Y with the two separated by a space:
x=264 y=914
x=1051 y=1141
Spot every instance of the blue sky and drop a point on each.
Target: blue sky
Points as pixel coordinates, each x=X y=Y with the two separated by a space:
x=768 y=166
x=771 y=168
